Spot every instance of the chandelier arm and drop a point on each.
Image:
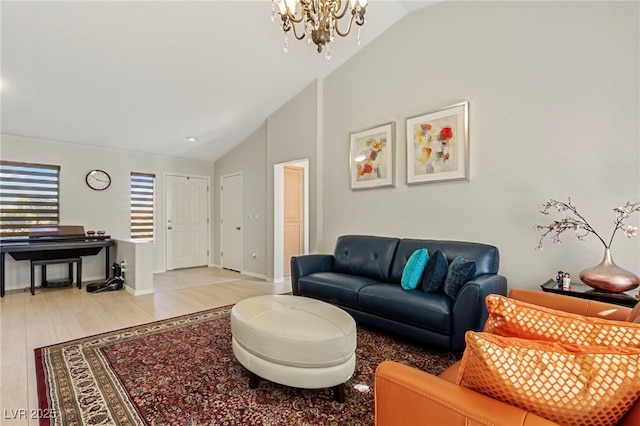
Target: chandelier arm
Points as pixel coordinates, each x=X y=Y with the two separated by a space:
x=290 y=14
x=295 y=33
x=308 y=11
x=292 y=17
x=340 y=14
x=344 y=34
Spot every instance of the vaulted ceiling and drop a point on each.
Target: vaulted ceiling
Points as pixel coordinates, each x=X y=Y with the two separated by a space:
x=143 y=76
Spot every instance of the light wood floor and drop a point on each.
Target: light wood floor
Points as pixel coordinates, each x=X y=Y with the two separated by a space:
x=57 y=315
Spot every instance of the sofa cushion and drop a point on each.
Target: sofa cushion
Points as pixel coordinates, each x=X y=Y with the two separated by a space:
x=435 y=272
x=573 y=305
x=406 y=247
x=414 y=307
x=460 y=272
x=487 y=257
x=412 y=273
x=365 y=256
x=567 y=384
x=332 y=287
x=514 y=318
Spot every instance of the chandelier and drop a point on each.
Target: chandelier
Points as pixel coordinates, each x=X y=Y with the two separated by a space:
x=319 y=19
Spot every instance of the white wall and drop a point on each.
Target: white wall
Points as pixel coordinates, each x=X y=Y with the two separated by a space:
x=138 y=268
x=107 y=210
x=554 y=101
x=249 y=158
x=290 y=133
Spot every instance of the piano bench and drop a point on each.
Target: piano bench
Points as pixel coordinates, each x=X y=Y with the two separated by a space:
x=43 y=263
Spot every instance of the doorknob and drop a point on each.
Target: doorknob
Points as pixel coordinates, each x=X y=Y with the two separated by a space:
x=170 y=227
x=237 y=228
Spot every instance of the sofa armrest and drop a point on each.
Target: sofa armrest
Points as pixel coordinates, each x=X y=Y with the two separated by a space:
x=308 y=264
x=574 y=305
x=408 y=396
x=469 y=310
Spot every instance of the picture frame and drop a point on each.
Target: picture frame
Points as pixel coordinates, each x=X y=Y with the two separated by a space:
x=372 y=157
x=438 y=145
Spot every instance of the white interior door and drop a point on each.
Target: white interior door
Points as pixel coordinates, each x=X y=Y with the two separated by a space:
x=231 y=222
x=187 y=221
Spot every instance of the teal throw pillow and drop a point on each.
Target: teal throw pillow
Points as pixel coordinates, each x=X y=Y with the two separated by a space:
x=412 y=272
x=460 y=272
x=435 y=272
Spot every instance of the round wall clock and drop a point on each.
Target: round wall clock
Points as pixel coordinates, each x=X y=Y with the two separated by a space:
x=98 y=180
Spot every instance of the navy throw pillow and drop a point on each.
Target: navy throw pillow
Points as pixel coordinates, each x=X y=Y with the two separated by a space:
x=413 y=269
x=435 y=272
x=460 y=272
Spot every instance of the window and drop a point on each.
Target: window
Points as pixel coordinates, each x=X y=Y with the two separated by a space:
x=29 y=196
x=142 y=202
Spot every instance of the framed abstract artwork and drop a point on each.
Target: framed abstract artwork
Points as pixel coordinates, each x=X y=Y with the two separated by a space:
x=438 y=145
x=371 y=157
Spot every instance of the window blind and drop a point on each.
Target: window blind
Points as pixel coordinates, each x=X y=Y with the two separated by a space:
x=29 y=196
x=142 y=205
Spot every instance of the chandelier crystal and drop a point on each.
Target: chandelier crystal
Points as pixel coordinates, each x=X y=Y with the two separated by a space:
x=319 y=19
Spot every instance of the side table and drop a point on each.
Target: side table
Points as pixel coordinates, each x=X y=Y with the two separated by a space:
x=583 y=291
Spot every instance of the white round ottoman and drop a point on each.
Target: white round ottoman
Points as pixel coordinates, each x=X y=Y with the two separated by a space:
x=294 y=341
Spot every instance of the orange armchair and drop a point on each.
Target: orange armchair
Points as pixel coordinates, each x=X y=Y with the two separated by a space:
x=408 y=396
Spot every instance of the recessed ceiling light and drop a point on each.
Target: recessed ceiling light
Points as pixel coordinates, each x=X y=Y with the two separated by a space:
x=192 y=139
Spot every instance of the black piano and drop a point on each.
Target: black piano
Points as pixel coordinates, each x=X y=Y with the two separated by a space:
x=55 y=242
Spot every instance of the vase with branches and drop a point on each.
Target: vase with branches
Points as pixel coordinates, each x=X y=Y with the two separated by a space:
x=607 y=275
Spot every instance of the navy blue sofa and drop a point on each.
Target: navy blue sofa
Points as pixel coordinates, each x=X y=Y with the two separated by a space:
x=363 y=278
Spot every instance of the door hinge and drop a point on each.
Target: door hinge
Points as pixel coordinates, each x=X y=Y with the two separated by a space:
x=221 y=254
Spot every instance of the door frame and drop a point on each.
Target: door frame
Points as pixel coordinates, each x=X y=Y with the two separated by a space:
x=166 y=211
x=278 y=214
x=222 y=177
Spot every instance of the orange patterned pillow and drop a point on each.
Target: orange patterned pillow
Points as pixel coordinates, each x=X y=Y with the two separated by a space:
x=514 y=318
x=567 y=384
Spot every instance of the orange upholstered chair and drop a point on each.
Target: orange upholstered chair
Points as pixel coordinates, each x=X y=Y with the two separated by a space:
x=407 y=396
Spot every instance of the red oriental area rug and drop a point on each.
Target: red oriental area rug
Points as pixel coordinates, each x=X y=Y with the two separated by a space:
x=182 y=371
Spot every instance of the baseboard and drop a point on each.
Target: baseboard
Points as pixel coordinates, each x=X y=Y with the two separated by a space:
x=253 y=274
x=138 y=292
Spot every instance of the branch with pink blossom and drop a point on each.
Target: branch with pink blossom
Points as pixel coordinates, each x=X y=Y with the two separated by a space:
x=576 y=222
